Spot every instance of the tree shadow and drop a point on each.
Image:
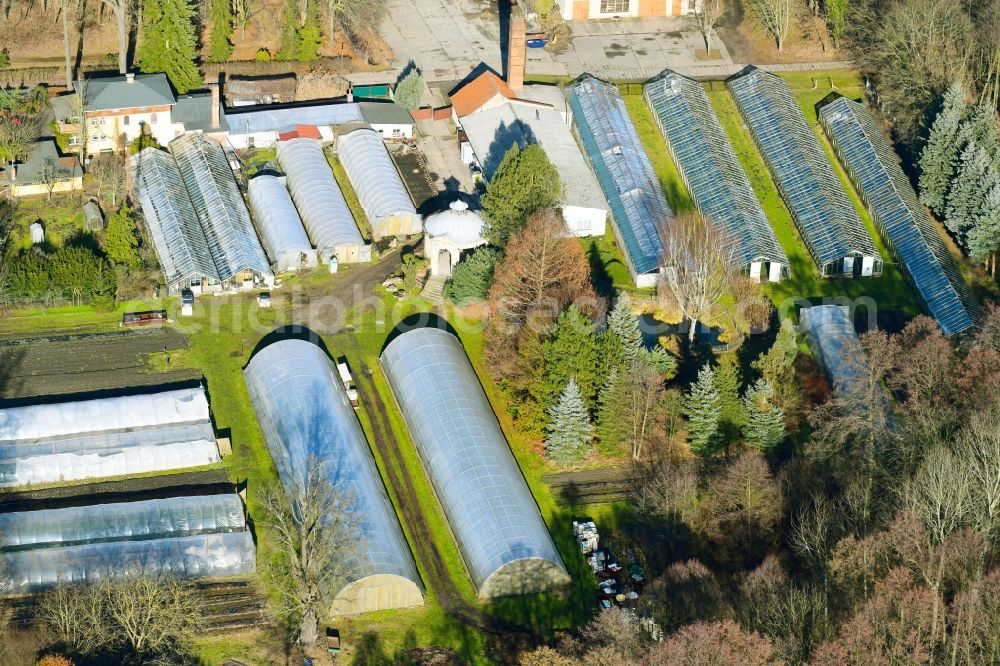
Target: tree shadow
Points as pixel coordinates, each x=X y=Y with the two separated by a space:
x=506 y=137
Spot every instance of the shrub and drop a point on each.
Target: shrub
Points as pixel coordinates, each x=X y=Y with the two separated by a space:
x=54 y=660
x=4 y=59
x=473 y=277
x=262 y=55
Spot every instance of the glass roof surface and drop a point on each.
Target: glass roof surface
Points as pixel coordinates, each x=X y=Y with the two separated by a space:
x=826 y=219
x=623 y=170
x=304 y=412
x=219 y=204
x=710 y=168
x=485 y=498
x=317 y=196
x=900 y=217
x=177 y=235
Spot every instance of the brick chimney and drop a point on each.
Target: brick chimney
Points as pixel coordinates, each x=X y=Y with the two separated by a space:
x=214 y=88
x=516 y=47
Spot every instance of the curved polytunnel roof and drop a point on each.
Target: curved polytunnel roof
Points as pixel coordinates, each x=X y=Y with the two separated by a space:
x=35 y=422
x=204 y=555
x=372 y=173
x=317 y=196
x=279 y=223
x=504 y=541
x=305 y=413
x=134 y=521
x=830 y=333
x=106 y=437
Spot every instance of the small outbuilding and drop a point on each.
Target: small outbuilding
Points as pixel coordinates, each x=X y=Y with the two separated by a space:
x=37 y=231
x=450 y=233
x=93 y=215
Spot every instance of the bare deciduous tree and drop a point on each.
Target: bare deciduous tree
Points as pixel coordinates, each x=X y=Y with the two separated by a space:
x=317 y=530
x=49 y=175
x=7 y=209
x=18 y=135
x=699 y=267
x=120 y=9
x=813 y=536
x=109 y=172
x=668 y=489
x=775 y=16
x=352 y=16
x=705 y=17
x=65 y=7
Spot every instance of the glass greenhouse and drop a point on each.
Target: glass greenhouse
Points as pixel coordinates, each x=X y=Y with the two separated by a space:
x=713 y=174
x=899 y=216
x=177 y=235
x=105 y=437
x=826 y=219
x=219 y=204
x=504 y=542
x=624 y=172
x=305 y=414
x=279 y=224
x=320 y=202
x=376 y=181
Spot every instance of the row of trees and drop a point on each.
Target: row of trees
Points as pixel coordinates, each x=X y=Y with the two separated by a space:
x=959 y=174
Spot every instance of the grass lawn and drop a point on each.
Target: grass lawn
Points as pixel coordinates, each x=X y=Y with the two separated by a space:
x=62 y=217
x=350 y=195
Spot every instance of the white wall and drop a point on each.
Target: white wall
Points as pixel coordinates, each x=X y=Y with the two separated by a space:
x=585 y=221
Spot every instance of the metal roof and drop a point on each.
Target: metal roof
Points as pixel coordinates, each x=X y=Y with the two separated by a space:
x=384 y=113
x=194 y=111
x=494 y=131
x=491 y=511
x=899 y=216
x=178 y=237
x=317 y=196
x=271 y=118
x=623 y=170
x=710 y=168
x=305 y=414
x=43 y=154
x=373 y=175
x=279 y=223
x=826 y=219
x=219 y=204
x=115 y=92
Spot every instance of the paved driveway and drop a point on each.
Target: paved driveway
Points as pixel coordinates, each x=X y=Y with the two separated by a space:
x=447 y=39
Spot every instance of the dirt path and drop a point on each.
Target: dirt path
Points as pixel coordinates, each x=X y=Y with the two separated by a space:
x=438 y=577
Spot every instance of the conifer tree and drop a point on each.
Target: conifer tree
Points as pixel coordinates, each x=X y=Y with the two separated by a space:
x=732 y=415
x=169 y=44
x=222 y=31
x=980 y=127
x=121 y=239
x=570 y=430
x=776 y=365
x=983 y=239
x=969 y=187
x=940 y=156
x=659 y=359
x=572 y=351
x=702 y=409
x=524 y=182
x=611 y=427
x=765 y=424
x=622 y=338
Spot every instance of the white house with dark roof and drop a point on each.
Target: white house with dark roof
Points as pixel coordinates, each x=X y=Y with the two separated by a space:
x=43 y=169
x=117 y=109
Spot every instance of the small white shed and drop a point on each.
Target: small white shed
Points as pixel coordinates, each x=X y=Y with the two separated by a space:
x=37 y=231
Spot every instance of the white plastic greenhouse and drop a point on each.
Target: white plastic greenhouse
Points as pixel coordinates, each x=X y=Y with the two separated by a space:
x=380 y=190
x=503 y=539
x=105 y=437
x=320 y=203
x=203 y=535
x=279 y=224
x=831 y=335
x=307 y=418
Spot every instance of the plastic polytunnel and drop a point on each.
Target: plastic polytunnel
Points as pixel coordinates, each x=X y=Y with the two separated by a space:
x=376 y=181
x=504 y=542
x=224 y=554
x=279 y=224
x=183 y=536
x=106 y=437
x=307 y=418
x=320 y=203
x=832 y=338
